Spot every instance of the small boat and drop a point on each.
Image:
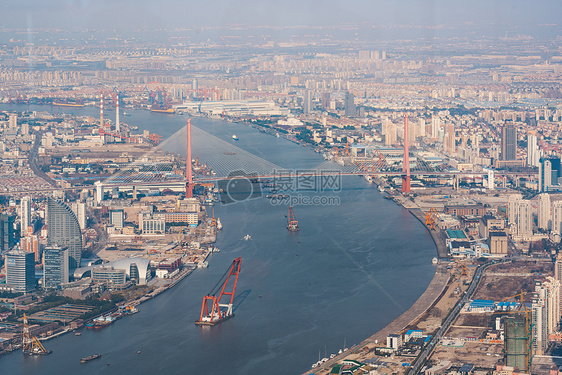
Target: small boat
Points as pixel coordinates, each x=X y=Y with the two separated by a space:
x=247 y=237
x=219 y=225
x=234 y=137
x=90 y=358
x=77 y=334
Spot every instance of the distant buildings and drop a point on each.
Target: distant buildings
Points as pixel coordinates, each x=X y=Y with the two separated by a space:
x=64 y=230
x=20 y=271
x=55 y=266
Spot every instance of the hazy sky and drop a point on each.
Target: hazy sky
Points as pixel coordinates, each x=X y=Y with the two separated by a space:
x=96 y=14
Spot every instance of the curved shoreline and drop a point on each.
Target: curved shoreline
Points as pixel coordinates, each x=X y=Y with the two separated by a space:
x=428 y=299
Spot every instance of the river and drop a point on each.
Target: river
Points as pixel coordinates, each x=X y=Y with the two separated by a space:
x=351 y=269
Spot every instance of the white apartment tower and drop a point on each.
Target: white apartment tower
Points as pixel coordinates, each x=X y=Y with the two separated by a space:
x=533 y=154
x=557 y=218
x=544 y=211
x=25 y=215
x=546 y=312
x=524 y=218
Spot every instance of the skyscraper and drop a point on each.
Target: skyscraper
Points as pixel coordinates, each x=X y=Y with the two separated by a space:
x=64 y=230
x=20 y=271
x=509 y=142
x=55 y=266
x=350 y=109
x=25 y=214
x=549 y=172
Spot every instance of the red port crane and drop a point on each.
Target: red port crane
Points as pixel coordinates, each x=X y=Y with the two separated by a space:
x=213 y=311
x=293 y=224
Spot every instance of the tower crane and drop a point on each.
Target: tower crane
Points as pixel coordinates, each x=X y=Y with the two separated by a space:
x=213 y=311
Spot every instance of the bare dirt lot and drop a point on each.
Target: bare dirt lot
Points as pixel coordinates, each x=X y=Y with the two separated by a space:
x=480 y=354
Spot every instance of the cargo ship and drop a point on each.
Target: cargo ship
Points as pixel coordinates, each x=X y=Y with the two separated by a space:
x=90 y=358
x=168 y=110
x=61 y=104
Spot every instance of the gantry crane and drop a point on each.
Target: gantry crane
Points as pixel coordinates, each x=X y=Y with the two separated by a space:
x=431 y=218
x=31 y=345
x=213 y=311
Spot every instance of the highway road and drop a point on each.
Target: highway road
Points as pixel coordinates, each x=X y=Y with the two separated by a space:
x=426 y=352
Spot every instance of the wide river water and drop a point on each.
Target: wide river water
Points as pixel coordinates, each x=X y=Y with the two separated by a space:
x=351 y=269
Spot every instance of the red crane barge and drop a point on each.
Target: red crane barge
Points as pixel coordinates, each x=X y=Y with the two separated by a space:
x=213 y=311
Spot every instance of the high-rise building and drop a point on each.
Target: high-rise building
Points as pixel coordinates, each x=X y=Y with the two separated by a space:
x=524 y=218
x=307 y=102
x=325 y=101
x=117 y=218
x=79 y=209
x=546 y=312
x=25 y=214
x=558 y=275
x=20 y=271
x=544 y=211
x=549 y=173
x=509 y=142
x=512 y=208
x=390 y=136
x=55 y=266
x=518 y=343
x=533 y=154
x=557 y=218
x=435 y=127
x=31 y=244
x=13 y=121
x=412 y=133
x=7 y=233
x=421 y=127
x=64 y=230
x=350 y=109
x=449 y=144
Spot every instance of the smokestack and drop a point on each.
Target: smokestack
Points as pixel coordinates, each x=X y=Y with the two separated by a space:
x=101 y=112
x=188 y=172
x=117 y=127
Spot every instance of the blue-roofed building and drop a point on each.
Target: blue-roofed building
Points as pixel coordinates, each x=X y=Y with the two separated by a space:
x=412 y=334
x=481 y=305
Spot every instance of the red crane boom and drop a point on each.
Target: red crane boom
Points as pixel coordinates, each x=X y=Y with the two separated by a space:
x=213 y=311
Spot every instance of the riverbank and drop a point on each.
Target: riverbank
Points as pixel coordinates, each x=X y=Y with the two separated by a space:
x=423 y=304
